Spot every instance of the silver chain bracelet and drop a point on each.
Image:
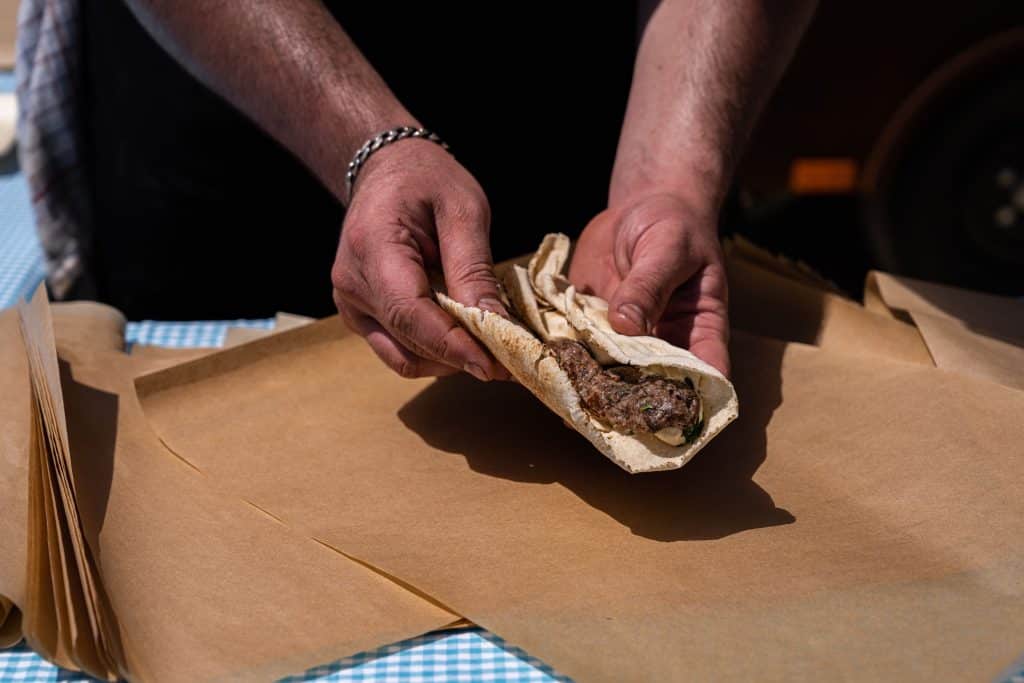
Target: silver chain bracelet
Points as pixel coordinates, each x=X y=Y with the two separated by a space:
x=375 y=143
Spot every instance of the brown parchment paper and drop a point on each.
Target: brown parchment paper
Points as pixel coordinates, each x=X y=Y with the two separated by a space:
x=15 y=431
x=960 y=349
x=15 y=423
x=738 y=247
x=88 y=325
x=241 y=335
x=970 y=332
x=770 y=304
x=282 y=321
x=163 y=356
x=997 y=316
x=8 y=32
x=10 y=623
x=190 y=571
x=858 y=522
x=83 y=635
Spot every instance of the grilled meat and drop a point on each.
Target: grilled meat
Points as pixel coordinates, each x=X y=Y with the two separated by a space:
x=626 y=399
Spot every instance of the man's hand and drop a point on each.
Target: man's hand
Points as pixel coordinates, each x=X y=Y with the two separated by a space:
x=414 y=208
x=290 y=67
x=654 y=254
x=658 y=263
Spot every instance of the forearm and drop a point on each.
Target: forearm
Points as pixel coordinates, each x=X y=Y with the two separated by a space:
x=703 y=73
x=287 y=65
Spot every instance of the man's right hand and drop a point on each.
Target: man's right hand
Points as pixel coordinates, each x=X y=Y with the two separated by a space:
x=414 y=208
x=290 y=67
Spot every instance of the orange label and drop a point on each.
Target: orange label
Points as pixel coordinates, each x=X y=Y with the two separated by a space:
x=822 y=175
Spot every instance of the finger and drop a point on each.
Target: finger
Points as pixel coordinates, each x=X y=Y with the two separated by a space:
x=388 y=349
x=712 y=349
x=706 y=335
x=592 y=269
x=406 y=309
x=656 y=264
x=697 y=317
x=463 y=233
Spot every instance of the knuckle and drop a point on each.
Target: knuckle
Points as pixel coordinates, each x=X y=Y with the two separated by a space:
x=409 y=368
x=356 y=240
x=473 y=273
x=338 y=279
x=478 y=210
x=645 y=289
x=402 y=235
x=344 y=281
x=443 y=347
x=467 y=209
x=400 y=315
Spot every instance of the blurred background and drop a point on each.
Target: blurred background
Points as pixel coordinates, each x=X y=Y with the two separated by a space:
x=896 y=142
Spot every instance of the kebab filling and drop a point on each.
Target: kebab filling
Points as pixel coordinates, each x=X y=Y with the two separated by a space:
x=627 y=400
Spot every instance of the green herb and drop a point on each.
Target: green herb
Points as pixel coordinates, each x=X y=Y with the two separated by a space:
x=645 y=408
x=693 y=432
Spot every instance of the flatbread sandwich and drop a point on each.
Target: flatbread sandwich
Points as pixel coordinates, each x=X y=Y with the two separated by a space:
x=645 y=404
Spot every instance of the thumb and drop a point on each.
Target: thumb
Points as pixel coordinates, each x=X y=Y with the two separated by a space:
x=463 y=236
x=657 y=266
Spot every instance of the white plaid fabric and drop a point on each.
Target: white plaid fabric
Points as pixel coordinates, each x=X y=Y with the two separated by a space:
x=48 y=66
x=187 y=334
x=467 y=656
x=473 y=655
x=21 y=268
x=1014 y=673
x=21 y=664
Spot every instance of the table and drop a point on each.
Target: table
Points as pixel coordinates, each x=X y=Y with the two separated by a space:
x=468 y=655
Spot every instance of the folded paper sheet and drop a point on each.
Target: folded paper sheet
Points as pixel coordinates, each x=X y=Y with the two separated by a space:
x=739 y=248
x=183 y=568
x=15 y=432
x=858 y=522
x=282 y=322
x=96 y=325
x=10 y=623
x=765 y=302
x=974 y=333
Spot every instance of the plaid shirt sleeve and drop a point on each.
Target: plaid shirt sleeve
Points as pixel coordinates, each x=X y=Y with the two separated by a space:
x=48 y=74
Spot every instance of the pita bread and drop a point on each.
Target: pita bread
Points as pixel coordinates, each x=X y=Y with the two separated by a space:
x=552 y=308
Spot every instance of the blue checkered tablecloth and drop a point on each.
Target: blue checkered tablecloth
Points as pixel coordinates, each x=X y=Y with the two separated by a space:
x=467 y=656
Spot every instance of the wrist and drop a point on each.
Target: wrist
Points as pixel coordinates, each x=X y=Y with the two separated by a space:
x=348 y=125
x=689 y=160
x=380 y=144
x=681 y=196
x=703 y=185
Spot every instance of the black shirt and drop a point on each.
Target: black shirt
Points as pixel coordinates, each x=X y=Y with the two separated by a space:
x=201 y=215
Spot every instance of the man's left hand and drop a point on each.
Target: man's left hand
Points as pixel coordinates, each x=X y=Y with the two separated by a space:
x=657 y=261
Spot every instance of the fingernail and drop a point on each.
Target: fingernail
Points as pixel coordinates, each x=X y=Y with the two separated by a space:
x=633 y=313
x=476 y=371
x=493 y=305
